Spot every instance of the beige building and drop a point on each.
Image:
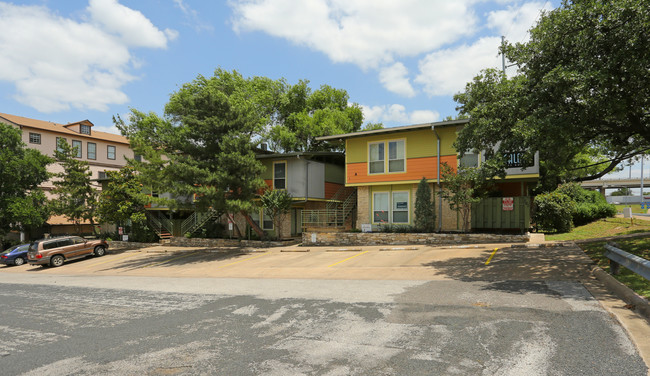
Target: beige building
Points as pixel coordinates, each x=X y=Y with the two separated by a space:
x=103 y=151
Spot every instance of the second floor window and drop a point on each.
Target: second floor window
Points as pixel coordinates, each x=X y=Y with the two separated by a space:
x=58 y=139
x=92 y=150
x=85 y=129
x=377 y=157
x=111 y=152
x=76 y=145
x=280 y=175
x=34 y=138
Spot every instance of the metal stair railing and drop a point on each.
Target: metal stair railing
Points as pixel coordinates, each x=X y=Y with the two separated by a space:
x=322 y=218
x=197 y=220
x=160 y=224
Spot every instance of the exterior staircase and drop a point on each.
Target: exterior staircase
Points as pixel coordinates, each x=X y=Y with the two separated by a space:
x=197 y=220
x=160 y=224
x=336 y=213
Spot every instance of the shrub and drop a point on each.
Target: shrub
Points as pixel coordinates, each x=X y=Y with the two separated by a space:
x=553 y=212
x=590 y=205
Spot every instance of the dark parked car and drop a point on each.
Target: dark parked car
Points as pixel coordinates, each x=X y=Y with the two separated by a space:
x=56 y=251
x=16 y=255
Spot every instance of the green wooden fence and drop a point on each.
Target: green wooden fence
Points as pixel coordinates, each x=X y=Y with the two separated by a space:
x=490 y=214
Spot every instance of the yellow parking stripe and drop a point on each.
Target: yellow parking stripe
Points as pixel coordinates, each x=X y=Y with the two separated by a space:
x=492 y=255
x=237 y=262
x=349 y=258
x=171 y=259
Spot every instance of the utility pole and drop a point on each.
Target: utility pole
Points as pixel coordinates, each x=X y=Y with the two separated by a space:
x=642 y=158
x=503 y=55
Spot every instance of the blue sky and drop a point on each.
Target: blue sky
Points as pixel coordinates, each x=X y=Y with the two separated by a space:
x=401 y=60
x=65 y=61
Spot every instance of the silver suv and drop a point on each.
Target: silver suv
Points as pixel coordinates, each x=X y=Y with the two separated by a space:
x=56 y=251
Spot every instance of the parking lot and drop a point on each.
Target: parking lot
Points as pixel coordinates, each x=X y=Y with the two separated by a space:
x=374 y=263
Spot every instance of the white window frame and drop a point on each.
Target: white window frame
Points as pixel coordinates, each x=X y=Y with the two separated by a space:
x=385 y=157
x=374 y=204
x=285 y=174
x=403 y=157
x=393 y=209
x=390 y=195
x=382 y=158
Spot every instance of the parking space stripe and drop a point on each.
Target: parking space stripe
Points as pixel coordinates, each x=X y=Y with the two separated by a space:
x=349 y=258
x=492 y=255
x=246 y=259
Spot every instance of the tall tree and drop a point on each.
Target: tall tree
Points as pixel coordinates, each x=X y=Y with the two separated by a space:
x=122 y=198
x=463 y=187
x=76 y=196
x=303 y=114
x=425 y=211
x=204 y=146
x=581 y=96
x=22 y=170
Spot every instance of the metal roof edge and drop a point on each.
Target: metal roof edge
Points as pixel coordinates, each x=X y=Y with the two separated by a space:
x=393 y=129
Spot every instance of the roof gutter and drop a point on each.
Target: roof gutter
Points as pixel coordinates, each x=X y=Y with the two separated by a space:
x=433 y=128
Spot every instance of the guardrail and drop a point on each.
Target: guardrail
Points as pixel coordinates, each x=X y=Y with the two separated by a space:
x=635 y=263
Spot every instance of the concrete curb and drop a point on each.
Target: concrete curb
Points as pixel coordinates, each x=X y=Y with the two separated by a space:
x=543 y=245
x=641 y=305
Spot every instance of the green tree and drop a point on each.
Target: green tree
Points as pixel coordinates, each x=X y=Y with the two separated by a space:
x=580 y=98
x=22 y=203
x=276 y=204
x=461 y=188
x=425 y=211
x=76 y=196
x=123 y=199
x=303 y=114
x=204 y=146
x=622 y=192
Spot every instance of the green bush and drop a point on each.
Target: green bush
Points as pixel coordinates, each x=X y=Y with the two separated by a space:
x=590 y=205
x=553 y=212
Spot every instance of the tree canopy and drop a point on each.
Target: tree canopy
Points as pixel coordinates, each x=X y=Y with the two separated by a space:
x=580 y=97
x=76 y=197
x=22 y=170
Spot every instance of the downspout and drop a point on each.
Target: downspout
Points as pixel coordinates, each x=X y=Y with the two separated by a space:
x=433 y=128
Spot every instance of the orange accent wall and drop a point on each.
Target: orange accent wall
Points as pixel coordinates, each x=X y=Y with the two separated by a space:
x=331 y=189
x=269 y=183
x=416 y=168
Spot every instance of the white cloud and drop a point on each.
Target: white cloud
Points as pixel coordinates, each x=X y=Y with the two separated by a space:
x=445 y=72
x=368 y=33
x=56 y=63
x=395 y=79
x=515 y=21
x=192 y=17
x=396 y=113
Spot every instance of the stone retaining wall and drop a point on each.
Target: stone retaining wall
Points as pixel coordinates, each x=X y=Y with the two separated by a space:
x=202 y=242
x=385 y=238
x=115 y=244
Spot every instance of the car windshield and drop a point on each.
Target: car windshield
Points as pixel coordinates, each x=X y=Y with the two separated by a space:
x=20 y=247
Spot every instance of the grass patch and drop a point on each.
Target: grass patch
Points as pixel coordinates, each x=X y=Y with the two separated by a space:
x=636 y=208
x=639 y=247
x=603 y=228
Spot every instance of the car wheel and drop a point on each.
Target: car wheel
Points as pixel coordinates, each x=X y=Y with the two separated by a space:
x=100 y=251
x=56 y=260
x=19 y=261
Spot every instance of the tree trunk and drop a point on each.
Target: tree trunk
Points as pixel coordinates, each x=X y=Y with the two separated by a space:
x=254 y=226
x=237 y=231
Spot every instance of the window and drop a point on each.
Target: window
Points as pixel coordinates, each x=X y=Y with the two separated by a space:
x=400 y=207
x=137 y=157
x=280 y=175
x=376 y=158
x=85 y=129
x=267 y=222
x=469 y=160
x=101 y=174
x=34 y=138
x=92 y=150
x=76 y=144
x=58 y=139
x=110 y=152
x=396 y=161
x=380 y=207
x=390 y=208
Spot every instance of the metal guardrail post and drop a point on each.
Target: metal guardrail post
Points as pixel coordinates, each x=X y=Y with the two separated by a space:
x=635 y=263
